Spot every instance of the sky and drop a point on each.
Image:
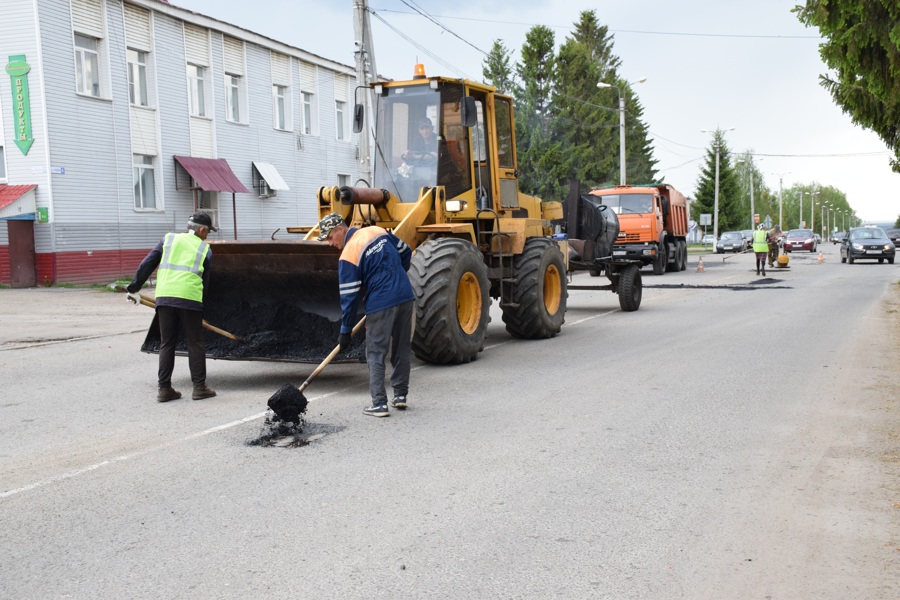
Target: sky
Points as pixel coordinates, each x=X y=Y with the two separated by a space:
x=709 y=64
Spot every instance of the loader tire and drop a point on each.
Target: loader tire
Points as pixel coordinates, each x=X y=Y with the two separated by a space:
x=630 y=288
x=535 y=306
x=449 y=279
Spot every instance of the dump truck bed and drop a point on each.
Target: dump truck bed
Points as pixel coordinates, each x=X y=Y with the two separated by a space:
x=280 y=296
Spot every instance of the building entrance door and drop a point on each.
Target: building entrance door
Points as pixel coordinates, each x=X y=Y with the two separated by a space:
x=22 y=259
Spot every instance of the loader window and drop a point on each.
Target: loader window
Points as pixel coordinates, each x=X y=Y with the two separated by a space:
x=408 y=131
x=505 y=147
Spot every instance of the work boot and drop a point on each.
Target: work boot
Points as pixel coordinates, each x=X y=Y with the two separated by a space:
x=164 y=394
x=201 y=391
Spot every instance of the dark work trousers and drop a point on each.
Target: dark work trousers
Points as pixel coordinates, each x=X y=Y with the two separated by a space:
x=773 y=254
x=389 y=328
x=192 y=323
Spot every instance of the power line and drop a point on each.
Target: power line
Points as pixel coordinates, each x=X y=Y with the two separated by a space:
x=634 y=31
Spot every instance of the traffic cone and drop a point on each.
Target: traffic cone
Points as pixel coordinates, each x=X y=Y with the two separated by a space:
x=821 y=258
x=700 y=268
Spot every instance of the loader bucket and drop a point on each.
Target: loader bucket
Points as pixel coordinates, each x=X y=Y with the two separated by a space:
x=281 y=297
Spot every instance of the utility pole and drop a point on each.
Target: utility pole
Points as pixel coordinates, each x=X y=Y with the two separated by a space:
x=800 y=222
x=366 y=72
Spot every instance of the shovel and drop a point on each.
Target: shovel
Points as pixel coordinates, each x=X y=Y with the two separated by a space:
x=288 y=402
x=147 y=301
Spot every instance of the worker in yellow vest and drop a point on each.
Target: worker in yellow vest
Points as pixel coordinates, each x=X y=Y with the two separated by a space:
x=181 y=279
x=760 y=248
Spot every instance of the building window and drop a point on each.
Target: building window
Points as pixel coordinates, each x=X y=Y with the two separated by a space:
x=144 y=182
x=87 y=66
x=343 y=180
x=339 y=110
x=197 y=85
x=279 y=93
x=137 y=77
x=307 y=113
x=233 y=98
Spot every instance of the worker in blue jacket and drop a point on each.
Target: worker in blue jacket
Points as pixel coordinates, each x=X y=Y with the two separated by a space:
x=373 y=267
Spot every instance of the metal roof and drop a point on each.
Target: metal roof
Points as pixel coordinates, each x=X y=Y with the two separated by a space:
x=10 y=194
x=268 y=172
x=212 y=174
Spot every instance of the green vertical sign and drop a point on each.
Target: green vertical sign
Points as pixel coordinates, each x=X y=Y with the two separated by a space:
x=18 y=77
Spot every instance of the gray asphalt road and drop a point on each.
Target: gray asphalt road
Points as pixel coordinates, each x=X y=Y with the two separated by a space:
x=734 y=438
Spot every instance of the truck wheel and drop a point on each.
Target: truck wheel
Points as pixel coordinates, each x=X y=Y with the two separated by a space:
x=682 y=246
x=672 y=257
x=630 y=288
x=535 y=307
x=661 y=262
x=449 y=279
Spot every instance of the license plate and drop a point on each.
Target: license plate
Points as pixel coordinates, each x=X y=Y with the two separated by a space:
x=729 y=247
x=873 y=251
x=618 y=252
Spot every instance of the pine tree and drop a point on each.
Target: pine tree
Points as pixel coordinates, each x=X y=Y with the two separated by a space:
x=496 y=69
x=540 y=158
x=729 y=187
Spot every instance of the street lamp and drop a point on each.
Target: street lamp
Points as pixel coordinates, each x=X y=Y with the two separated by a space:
x=716 y=208
x=812 y=213
x=781 y=197
x=621 y=91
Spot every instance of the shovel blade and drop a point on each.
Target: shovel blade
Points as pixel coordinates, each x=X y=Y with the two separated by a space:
x=288 y=403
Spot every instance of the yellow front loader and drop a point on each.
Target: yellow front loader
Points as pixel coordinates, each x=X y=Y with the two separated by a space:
x=475 y=237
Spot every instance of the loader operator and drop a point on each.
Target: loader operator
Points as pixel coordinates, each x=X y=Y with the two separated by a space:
x=373 y=267
x=420 y=160
x=183 y=261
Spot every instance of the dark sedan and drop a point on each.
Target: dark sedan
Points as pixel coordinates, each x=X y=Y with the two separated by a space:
x=894 y=234
x=731 y=241
x=800 y=239
x=867 y=243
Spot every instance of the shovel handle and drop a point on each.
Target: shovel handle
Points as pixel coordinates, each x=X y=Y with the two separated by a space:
x=329 y=358
x=147 y=301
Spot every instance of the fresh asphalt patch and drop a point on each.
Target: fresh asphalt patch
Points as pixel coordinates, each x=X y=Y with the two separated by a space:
x=764 y=283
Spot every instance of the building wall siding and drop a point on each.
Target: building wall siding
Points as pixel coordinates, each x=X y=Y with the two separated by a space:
x=85 y=176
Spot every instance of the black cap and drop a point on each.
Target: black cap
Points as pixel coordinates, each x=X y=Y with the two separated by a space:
x=425 y=123
x=202 y=218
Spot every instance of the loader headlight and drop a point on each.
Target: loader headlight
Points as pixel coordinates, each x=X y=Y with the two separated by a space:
x=455 y=206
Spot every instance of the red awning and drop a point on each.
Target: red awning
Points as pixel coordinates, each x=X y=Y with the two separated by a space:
x=212 y=174
x=11 y=193
x=17 y=202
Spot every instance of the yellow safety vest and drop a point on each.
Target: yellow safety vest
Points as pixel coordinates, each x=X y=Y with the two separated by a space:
x=760 y=242
x=180 y=272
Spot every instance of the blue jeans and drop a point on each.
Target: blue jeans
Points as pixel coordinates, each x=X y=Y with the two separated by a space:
x=389 y=329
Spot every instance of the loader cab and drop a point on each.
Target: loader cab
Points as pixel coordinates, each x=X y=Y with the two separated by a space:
x=465 y=140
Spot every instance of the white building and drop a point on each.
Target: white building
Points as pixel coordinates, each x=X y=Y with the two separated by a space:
x=120 y=118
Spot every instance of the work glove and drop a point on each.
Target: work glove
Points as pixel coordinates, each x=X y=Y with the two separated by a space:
x=133 y=298
x=344 y=341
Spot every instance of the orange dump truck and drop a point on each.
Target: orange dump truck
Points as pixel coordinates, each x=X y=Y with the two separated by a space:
x=653 y=224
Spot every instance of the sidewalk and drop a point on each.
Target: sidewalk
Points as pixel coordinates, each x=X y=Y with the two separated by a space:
x=45 y=315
